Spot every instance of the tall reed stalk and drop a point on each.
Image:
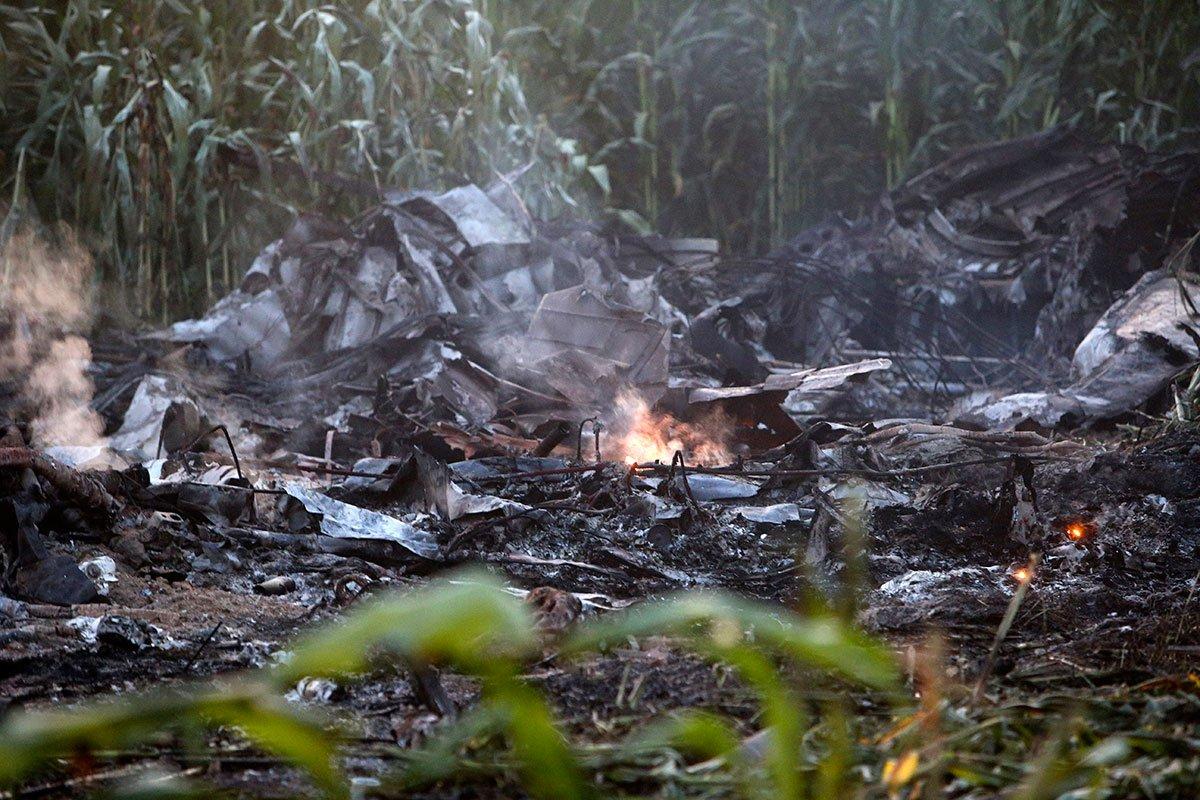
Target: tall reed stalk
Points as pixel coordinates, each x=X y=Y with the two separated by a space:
x=174 y=138
x=178 y=138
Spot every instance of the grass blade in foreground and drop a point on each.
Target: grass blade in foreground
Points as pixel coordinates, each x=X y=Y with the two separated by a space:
x=825 y=641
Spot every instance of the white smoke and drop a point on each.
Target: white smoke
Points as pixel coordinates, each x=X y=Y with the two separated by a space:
x=46 y=304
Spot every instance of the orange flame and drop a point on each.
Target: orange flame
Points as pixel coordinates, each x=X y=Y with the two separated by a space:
x=1076 y=531
x=639 y=435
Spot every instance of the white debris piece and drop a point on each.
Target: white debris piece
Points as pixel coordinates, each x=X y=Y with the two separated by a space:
x=102 y=571
x=344 y=521
x=778 y=514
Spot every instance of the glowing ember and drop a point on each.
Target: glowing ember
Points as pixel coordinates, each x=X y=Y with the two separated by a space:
x=1076 y=531
x=637 y=434
x=1022 y=575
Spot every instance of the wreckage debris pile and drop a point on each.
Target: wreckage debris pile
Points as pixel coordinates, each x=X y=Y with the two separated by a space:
x=1045 y=280
x=446 y=380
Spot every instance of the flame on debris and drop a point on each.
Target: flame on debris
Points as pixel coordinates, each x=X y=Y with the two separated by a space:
x=639 y=435
x=1022 y=574
x=1076 y=531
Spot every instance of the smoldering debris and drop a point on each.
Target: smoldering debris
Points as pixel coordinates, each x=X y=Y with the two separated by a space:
x=982 y=277
x=926 y=399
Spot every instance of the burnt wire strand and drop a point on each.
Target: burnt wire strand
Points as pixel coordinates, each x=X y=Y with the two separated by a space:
x=597 y=426
x=237 y=464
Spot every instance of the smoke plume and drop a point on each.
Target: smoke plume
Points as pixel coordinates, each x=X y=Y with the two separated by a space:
x=46 y=303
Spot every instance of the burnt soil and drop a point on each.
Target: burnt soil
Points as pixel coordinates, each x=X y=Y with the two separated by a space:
x=1114 y=608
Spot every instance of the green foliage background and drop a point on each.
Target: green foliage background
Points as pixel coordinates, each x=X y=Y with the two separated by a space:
x=176 y=137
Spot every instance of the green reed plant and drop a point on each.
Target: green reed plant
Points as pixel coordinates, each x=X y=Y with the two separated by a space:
x=772 y=114
x=172 y=135
x=177 y=136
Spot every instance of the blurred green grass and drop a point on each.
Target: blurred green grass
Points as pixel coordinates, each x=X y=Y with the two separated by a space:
x=471 y=625
x=838 y=717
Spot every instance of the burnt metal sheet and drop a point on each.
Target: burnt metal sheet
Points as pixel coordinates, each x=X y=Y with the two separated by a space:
x=809 y=380
x=598 y=341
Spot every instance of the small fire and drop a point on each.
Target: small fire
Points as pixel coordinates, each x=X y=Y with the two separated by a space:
x=1076 y=531
x=1022 y=575
x=639 y=435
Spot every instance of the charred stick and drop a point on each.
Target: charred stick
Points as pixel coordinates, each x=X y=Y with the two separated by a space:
x=553 y=439
x=573 y=509
x=20 y=457
x=233 y=487
x=200 y=649
x=542 y=473
x=656 y=467
x=865 y=473
x=733 y=470
x=348 y=473
x=911 y=356
x=81 y=487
